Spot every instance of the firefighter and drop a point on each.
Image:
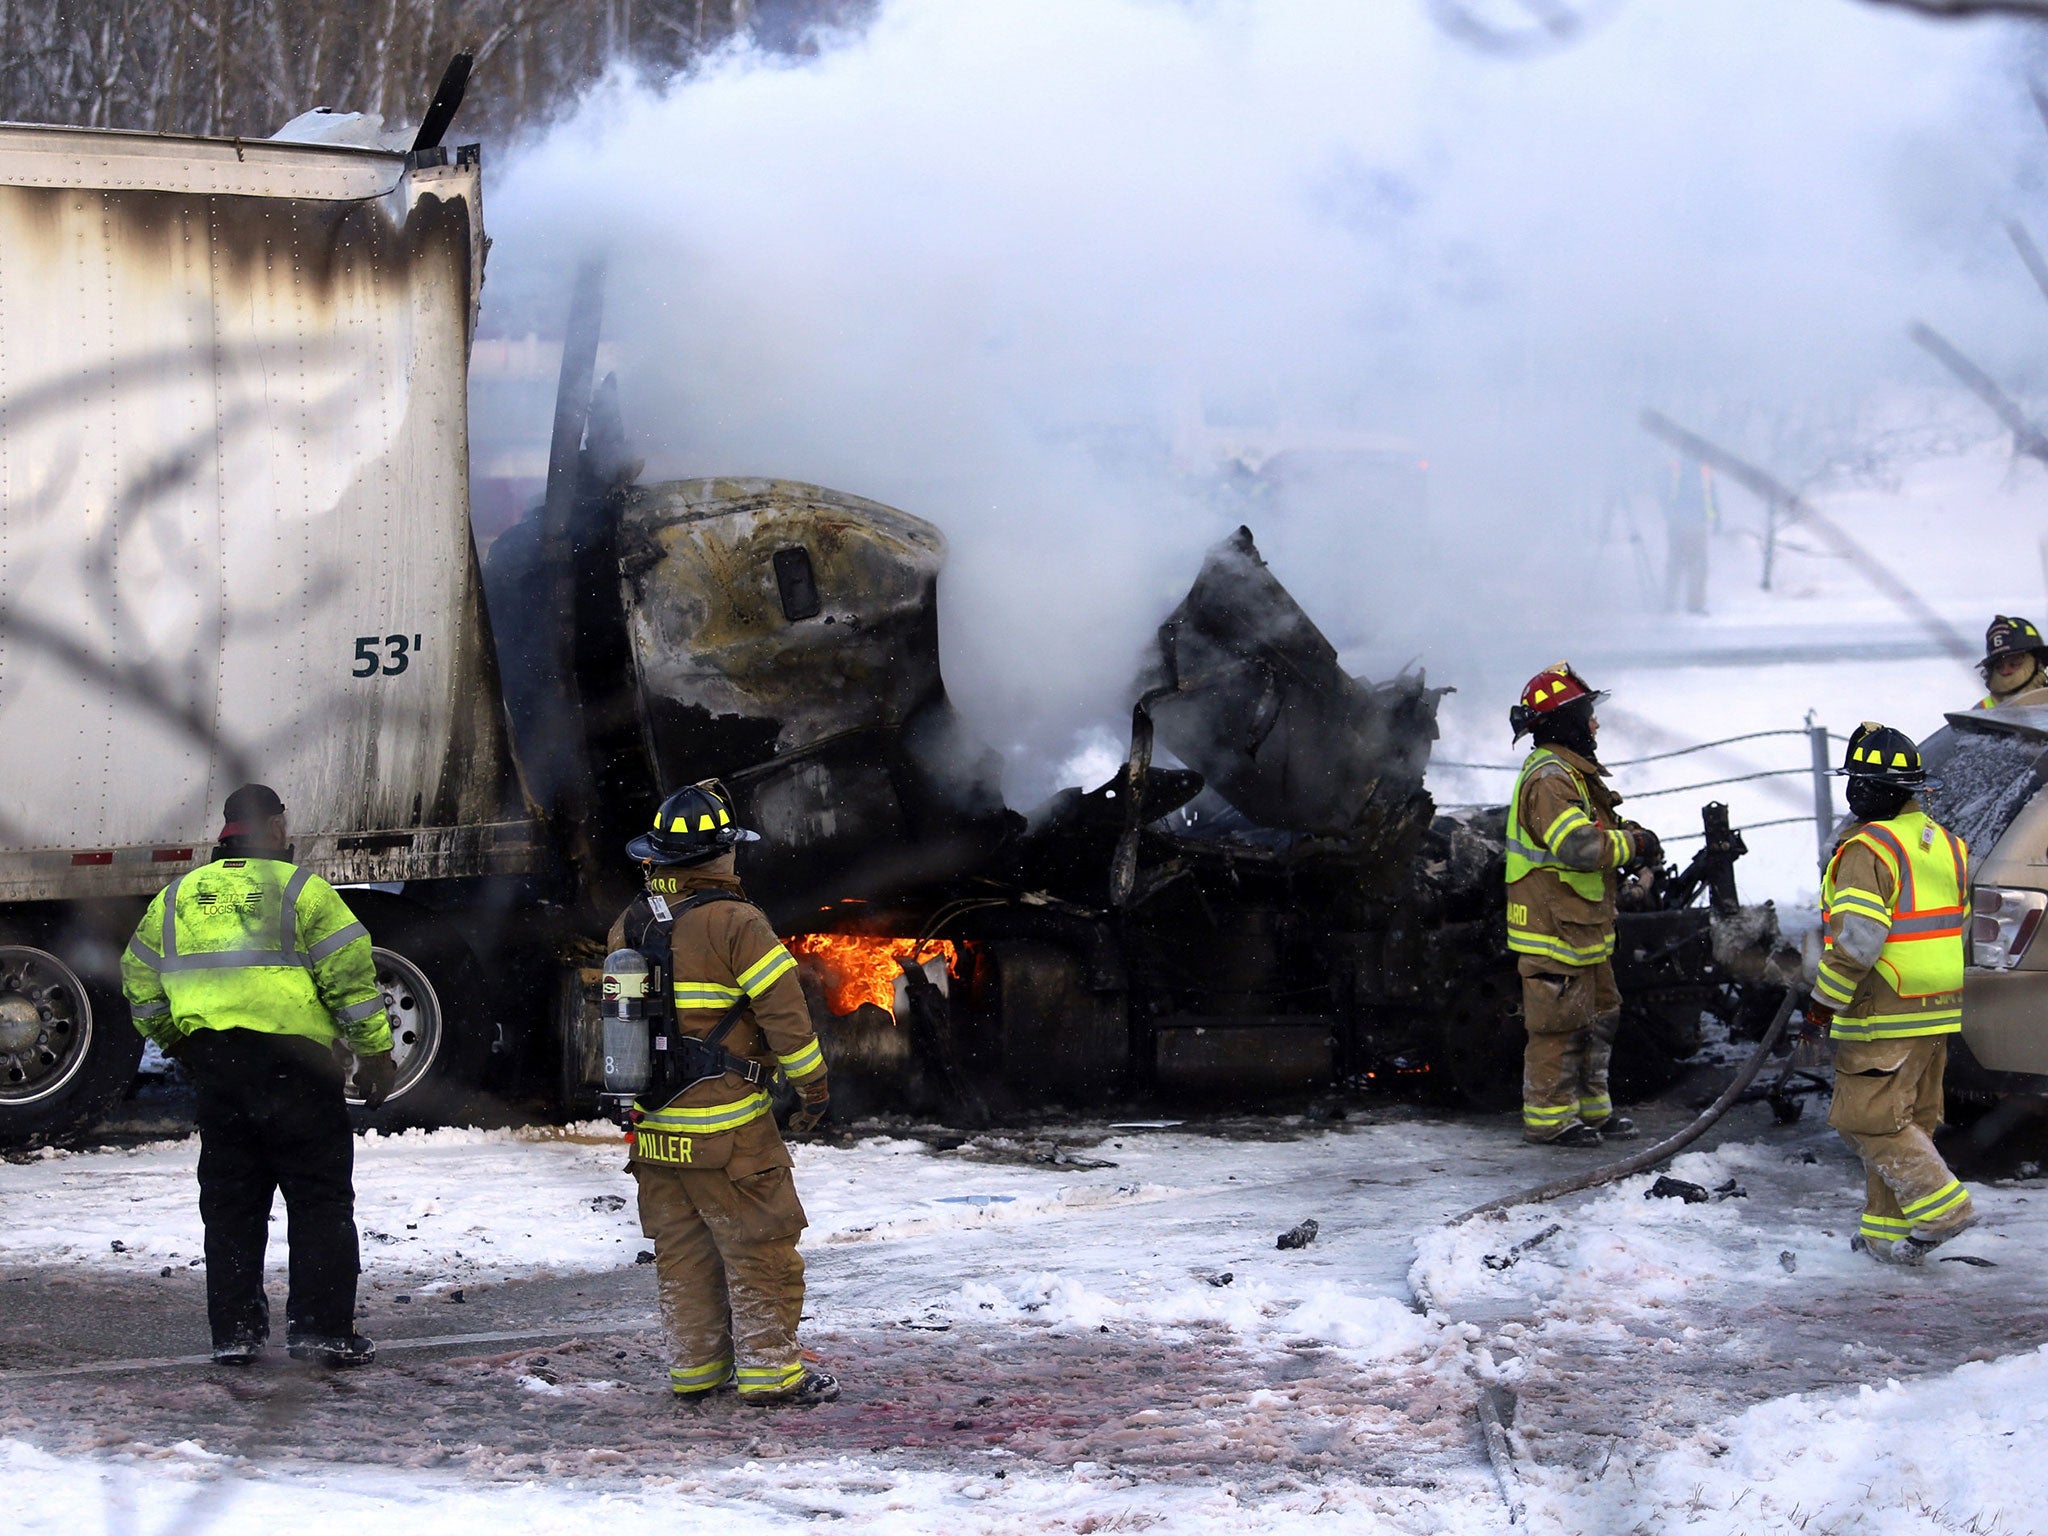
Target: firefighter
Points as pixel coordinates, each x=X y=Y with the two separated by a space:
x=1565 y=850
x=248 y=972
x=2015 y=664
x=716 y=1191
x=1890 y=991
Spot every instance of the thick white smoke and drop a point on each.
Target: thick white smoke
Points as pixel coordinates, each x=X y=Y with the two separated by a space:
x=1002 y=265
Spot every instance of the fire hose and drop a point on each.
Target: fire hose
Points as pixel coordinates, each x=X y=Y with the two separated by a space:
x=1493 y=1430
x=1670 y=1146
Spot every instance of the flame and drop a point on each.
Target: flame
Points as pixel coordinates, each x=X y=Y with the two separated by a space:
x=862 y=967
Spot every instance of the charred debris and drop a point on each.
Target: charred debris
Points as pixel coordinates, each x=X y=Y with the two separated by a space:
x=1263 y=901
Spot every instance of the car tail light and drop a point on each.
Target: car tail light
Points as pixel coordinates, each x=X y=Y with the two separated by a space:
x=2002 y=925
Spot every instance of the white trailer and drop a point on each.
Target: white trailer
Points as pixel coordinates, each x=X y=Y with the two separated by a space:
x=234 y=544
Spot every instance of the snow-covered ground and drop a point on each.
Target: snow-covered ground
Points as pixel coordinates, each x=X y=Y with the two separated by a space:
x=1092 y=1334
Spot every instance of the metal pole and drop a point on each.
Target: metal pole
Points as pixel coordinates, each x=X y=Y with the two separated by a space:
x=1823 y=790
x=1770 y=537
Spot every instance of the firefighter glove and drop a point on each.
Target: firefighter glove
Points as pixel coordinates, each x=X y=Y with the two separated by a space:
x=1819 y=1019
x=817 y=1101
x=1649 y=851
x=374 y=1076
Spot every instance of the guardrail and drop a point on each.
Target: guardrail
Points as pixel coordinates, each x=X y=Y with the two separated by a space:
x=1817 y=767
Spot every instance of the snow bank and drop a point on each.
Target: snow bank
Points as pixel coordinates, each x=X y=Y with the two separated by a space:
x=1959 y=1452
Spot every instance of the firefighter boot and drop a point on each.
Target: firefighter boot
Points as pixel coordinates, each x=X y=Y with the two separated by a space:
x=241 y=1351
x=1580 y=1135
x=812 y=1388
x=1614 y=1128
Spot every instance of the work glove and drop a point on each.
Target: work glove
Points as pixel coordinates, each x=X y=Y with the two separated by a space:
x=1649 y=852
x=375 y=1074
x=817 y=1101
x=1819 y=1019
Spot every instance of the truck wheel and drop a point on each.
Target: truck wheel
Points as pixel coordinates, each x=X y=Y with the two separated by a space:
x=67 y=1049
x=1654 y=1043
x=440 y=1028
x=1480 y=1040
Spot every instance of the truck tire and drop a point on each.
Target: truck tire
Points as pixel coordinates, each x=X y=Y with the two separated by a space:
x=1480 y=1038
x=68 y=1050
x=441 y=1034
x=1657 y=1037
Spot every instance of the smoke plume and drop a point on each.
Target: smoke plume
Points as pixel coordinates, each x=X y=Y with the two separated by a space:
x=1064 y=277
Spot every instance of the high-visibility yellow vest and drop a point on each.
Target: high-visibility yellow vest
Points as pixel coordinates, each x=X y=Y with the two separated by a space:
x=1529 y=853
x=1922 y=959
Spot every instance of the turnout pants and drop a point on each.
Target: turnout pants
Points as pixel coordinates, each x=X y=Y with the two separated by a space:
x=272 y=1118
x=1571 y=1014
x=1887 y=1102
x=731 y=1280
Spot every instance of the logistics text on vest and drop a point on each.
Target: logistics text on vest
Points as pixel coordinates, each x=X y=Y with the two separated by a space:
x=662 y=1147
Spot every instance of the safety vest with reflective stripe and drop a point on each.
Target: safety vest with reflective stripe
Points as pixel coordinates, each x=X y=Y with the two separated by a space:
x=1531 y=854
x=254 y=944
x=1922 y=960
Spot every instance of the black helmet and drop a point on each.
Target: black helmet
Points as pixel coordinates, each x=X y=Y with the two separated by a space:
x=1886 y=755
x=694 y=824
x=2010 y=636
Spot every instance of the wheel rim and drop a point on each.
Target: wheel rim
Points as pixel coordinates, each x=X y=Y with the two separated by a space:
x=46 y=1025
x=416 y=1022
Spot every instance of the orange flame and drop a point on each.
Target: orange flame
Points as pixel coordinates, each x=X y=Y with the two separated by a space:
x=862 y=968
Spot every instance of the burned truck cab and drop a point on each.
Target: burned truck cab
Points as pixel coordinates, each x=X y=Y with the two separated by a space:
x=784 y=639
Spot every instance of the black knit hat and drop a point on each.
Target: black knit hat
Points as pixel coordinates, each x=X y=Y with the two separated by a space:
x=248 y=808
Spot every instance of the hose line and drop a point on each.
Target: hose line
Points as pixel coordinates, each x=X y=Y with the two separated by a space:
x=1671 y=1146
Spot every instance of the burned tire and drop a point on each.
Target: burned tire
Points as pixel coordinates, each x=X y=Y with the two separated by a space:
x=1656 y=1039
x=1480 y=1039
x=68 y=1050
x=441 y=1033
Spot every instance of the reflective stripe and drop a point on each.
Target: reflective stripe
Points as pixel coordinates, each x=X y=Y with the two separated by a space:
x=706 y=1121
x=700 y=1378
x=1832 y=988
x=757 y=978
x=1547 y=1114
x=145 y=954
x=758 y=1379
x=1618 y=845
x=705 y=994
x=1930 y=925
x=148 y=1010
x=1568 y=821
x=1897 y=1026
x=1527 y=942
x=1596 y=1109
x=288 y=914
x=340 y=938
x=1940 y=1203
x=1861 y=904
x=807 y=1058
x=170 y=901
x=355 y=1013
x=1888 y=1228
x=231 y=959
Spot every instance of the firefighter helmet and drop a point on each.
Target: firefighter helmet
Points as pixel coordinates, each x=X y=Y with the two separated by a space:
x=2010 y=635
x=1555 y=687
x=1887 y=755
x=692 y=825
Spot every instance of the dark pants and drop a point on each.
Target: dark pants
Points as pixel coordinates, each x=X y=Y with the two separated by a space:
x=272 y=1117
